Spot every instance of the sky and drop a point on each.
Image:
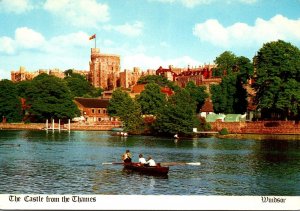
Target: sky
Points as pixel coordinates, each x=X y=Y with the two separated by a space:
x=48 y=34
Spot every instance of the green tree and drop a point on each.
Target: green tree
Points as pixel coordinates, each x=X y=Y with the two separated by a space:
x=79 y=86
x=245 y=69
x=159 y=80
x=50 y=97
x=277 y=80
x=10 y=105
x=178 y=115
x=151 y=99
x=219 y=98
x=22 y=86
x=127 y=109
x=197 y=93
x=230 y=96
x=226 y=62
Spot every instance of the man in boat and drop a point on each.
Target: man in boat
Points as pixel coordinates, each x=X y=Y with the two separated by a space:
x=126 y=157
x=150 y=162
x=142 y=160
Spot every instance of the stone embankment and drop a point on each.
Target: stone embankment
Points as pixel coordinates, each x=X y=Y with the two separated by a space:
x=73 y=126
x=258 y=127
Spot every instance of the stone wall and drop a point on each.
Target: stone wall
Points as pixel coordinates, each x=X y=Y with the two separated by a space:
x=259 y=127
x=73 y=126
x=21 y=126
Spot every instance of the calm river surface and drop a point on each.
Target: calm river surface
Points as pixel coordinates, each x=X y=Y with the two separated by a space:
x=40 y=162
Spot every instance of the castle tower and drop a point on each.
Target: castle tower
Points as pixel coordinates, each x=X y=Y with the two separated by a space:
x=104 y=69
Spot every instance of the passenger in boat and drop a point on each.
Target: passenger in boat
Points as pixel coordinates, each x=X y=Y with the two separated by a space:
x=142 y=160
x=126 y=157
x=150 y=162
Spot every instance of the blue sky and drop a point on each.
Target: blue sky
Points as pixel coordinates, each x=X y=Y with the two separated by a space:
x=47 y=34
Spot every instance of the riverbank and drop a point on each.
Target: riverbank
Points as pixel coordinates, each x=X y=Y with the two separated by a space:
x=105 y=126
x=258 y=127
x=286 y=137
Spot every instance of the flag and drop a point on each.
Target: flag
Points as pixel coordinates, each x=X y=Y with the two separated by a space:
x=92 y=37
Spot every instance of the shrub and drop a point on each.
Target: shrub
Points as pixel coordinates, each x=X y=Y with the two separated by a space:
x=224 y=131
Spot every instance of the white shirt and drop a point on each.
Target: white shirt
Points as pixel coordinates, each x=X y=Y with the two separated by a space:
x=142 y=160
x=151 y=162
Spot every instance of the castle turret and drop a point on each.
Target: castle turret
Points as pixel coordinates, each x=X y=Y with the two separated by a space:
x=104 y=69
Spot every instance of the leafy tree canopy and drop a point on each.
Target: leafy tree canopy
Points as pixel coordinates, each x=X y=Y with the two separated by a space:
x=128 y=110
x=230 y=96
x=159 y=80
x=226 y=62
x=178 y=115
x=197 y=93
x=49 y=97
x=277 y=76
x=79 y=86
x=10 y=105
x=151 y=99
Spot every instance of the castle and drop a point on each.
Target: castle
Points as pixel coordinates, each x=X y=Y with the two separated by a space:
x=104 y=71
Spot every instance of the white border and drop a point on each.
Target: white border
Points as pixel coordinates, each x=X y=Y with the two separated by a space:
x=160 y=202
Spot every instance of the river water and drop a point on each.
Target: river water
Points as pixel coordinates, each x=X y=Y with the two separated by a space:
x=40 y=162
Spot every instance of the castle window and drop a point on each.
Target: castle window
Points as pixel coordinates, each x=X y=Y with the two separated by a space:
x=99 y=111
x=93 y=111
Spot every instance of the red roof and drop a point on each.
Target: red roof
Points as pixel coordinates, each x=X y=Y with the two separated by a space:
x=92 y=102
x=207 y=107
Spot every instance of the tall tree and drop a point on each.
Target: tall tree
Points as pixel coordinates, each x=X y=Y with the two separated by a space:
x=49 y=97
x=10 y=104
x=178 y=115
x=226 y=63
x=151 y=99
x=127 y=109
x=79 y=86
x=277 y=77
x=197 y=93
x=230 y=96
x=159 y=80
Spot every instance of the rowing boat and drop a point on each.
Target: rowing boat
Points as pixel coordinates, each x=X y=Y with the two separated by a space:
x=153 y=170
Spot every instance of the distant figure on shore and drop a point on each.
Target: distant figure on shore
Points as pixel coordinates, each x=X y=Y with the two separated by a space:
x=142 y=160
x=126 y=157
x=150 y=162
x=176 y=136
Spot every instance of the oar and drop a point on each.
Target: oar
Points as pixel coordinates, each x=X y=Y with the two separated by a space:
x=179 y=164
x=113 y=163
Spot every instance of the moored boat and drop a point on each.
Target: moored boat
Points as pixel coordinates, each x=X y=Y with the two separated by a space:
x=154 y=170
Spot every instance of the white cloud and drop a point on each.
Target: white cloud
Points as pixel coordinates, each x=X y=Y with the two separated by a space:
x=131 y=30
x=16 y=6
x=28 y=38
x=194 y=3
x=32 y=50
x=73 y=39
x=80 y=13
x=7 y=45
x=244 y=35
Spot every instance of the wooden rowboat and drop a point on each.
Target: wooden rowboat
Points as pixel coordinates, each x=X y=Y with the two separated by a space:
x=153 y=170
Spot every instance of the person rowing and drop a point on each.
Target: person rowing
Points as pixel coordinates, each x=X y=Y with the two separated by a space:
x=150 y=162
x=142 y=160
x=126 y=157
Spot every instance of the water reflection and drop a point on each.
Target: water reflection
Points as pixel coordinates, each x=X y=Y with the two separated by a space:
x=70 y=163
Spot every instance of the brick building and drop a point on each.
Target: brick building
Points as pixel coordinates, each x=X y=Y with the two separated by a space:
x=201 y=75
x=94 y=110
